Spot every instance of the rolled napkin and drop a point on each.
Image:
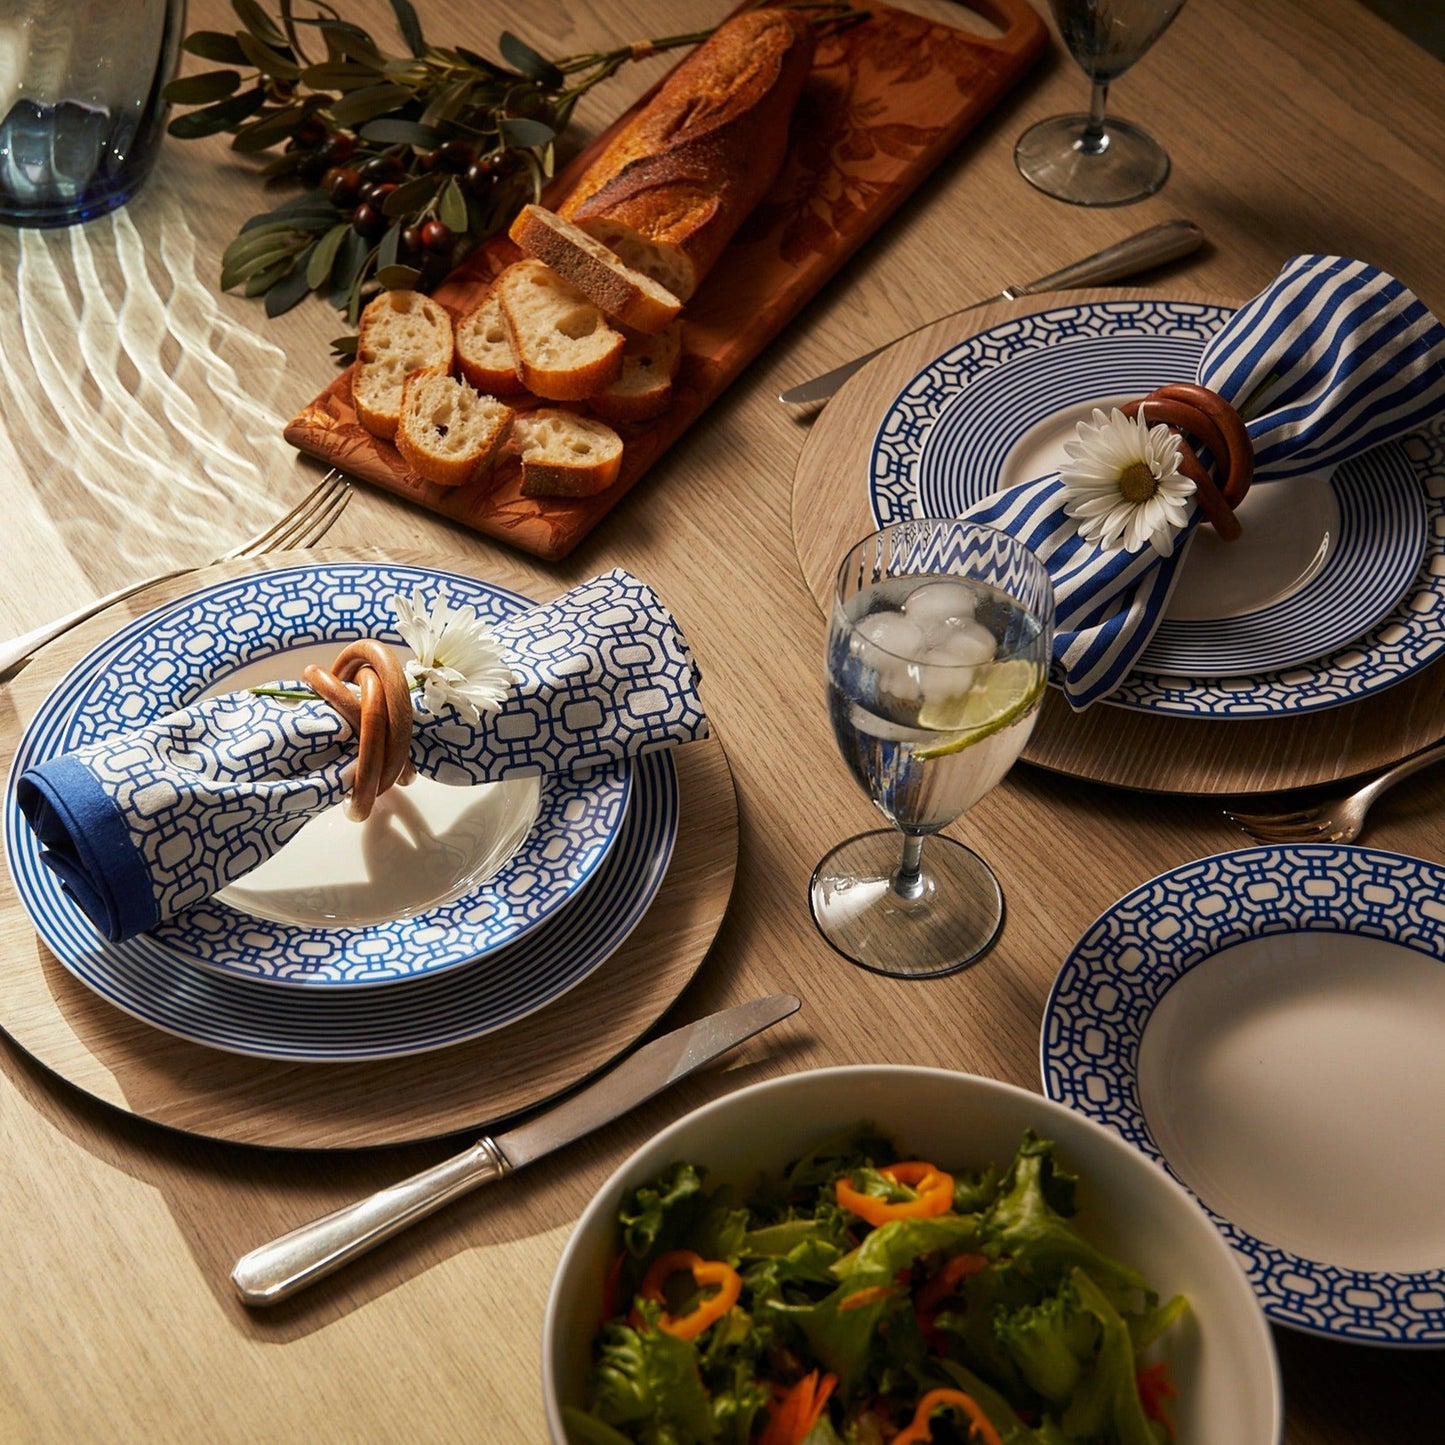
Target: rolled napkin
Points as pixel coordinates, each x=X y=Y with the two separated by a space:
x=146 y=823
x=1333 y=358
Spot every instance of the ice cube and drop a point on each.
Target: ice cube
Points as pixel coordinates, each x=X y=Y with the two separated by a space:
x=943 y=692
x=893 y=632
x=936 y=602
x=967 y=642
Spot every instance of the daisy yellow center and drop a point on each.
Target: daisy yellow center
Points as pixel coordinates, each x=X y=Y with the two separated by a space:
x=1137 y=483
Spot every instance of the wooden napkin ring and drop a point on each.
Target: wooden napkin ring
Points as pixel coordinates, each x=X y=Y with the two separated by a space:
x=381 y=717
x=1203 y=414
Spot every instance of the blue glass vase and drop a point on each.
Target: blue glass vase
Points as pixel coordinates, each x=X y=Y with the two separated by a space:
x=81 y=113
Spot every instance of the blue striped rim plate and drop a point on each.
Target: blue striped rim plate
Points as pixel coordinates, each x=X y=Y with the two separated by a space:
x=1265 y=1024
x=1372 y=558
x=1370 y=617
x=351 y=1025
x=168 y=658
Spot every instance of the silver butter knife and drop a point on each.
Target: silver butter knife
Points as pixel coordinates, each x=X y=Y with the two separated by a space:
x=1166 y=242
x=277 y=1270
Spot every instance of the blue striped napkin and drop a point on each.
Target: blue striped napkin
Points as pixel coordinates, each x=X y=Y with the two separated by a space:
x=146 y=823
x=1333 y=358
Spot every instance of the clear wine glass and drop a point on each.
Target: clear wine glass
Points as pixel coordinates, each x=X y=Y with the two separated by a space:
x=938 y=654
x=1084 y=158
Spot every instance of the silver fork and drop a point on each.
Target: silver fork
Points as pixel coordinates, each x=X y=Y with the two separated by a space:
x=1333 y=820
x=306 y=523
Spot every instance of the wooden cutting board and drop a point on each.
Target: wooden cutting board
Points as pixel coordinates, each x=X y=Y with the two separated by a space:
x=887 y=100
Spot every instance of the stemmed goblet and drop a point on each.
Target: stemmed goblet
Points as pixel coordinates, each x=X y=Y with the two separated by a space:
x=938 y=653
x=1084 y=158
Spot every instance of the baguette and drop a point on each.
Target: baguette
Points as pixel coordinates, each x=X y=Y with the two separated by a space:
x=400 y=332
x=563 y=348
x=449 y=433
x=644 y=390
x=565 y=455
x=484 y=354
x=678 y=180
x=626 y=295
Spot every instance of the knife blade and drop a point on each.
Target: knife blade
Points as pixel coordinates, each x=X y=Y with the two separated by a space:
x=277 y=1270
x=1165 y=242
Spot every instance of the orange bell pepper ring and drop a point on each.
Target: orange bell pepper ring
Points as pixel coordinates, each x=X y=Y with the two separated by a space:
x=919 y=1431
x=932 y=1194
x=797 y=1410
x=709 y=1309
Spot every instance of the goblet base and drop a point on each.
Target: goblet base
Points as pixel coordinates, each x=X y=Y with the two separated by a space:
x=952 y=921
x=1055 y=156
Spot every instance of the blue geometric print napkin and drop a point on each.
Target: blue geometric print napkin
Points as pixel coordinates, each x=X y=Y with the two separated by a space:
x=1333 y=358
x=145 y=823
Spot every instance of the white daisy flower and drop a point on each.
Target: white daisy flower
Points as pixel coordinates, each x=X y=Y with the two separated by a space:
x=1122 y=483
x=458 y=659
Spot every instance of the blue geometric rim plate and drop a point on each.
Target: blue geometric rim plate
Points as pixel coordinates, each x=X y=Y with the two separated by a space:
x=1392 y=543
x=452 y=1007
x=168 y=658
x=1120 y=972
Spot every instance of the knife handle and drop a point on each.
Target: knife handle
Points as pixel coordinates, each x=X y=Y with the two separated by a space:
x=1166 y=242
x=277 y=1270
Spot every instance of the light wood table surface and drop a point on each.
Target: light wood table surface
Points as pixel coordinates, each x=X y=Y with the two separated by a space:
x=1293 y=125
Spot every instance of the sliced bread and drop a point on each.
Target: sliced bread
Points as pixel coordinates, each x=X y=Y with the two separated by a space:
x=563 y=347
x=600 y=274
x=644 y=390
x=400 y=332
x=484 y=353
x=449 y=433
x=565 y=455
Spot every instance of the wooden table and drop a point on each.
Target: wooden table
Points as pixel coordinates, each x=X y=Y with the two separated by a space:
x=1293 y=125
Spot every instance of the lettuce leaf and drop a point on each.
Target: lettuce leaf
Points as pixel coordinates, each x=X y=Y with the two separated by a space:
x=900 y=1243
x=648 y=1382
x=1028 y=1222
x=645 y=1210
x=1107 y=1403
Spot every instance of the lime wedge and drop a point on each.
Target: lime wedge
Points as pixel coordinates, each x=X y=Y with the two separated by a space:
x=1002 y=693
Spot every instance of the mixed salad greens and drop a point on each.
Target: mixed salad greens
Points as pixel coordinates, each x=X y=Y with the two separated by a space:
x=864 y=1299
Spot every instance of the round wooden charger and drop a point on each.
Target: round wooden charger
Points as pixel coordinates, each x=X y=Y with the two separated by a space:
x=139 y=1069
x=1145 y=751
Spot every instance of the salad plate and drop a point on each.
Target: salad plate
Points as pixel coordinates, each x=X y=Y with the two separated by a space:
x=239 y=1015
x=1328 y=596
x=1266 y=1025
x=437 y=878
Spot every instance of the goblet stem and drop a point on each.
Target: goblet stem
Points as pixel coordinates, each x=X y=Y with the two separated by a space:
x=908 y=880
x=1093 y=141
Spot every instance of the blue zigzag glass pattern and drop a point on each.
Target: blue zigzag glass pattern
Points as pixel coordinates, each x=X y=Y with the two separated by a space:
x=917 y=467
x=1129 y=959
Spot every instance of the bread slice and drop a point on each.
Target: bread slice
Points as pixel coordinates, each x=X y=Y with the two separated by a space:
x=644 y=390
x=597 y=272
x=565 y=455
x=484 y=353
x=563 y=347
x=400 y=332
x=449 y=433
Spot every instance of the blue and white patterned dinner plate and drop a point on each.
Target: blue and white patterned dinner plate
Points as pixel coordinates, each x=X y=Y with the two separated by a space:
x=1266 y=1024
x=449 y=1007
x=245 y=628
x=1369 y=616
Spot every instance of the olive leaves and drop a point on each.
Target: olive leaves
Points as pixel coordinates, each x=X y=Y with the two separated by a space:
x=408 y=161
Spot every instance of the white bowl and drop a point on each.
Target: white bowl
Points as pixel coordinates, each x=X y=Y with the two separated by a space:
x=1221 y=1355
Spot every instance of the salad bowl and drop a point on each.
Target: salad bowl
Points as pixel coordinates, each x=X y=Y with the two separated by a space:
x=1220 y=1354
